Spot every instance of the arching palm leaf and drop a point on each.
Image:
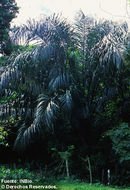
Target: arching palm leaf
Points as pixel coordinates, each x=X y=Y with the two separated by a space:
x=66 y=101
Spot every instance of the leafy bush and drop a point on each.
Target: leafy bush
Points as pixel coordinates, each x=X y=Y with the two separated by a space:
x=15 y=174
x=120 y=138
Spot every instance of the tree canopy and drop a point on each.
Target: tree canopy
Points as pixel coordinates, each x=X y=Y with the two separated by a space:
x=8 y=11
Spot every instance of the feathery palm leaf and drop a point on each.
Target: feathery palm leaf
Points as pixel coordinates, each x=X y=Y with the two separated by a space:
x=66 y=101
x=46 y=111
x=60 y=82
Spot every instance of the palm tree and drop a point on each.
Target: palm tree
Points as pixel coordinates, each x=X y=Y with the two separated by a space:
x=68 y=80
x=42 y=71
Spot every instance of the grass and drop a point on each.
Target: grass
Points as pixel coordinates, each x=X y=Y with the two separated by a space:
x=63 y=185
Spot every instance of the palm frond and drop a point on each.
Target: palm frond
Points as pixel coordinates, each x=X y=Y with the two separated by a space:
x=10 y=75
x=25 y=136
x=109 y=53
x=52 y=29
x=46 y=111
x=66 y=101
x=60 y=81
x=45 y=115
x=111 y=47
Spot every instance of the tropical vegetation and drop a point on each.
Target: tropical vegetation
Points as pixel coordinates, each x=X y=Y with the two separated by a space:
x=64 y=100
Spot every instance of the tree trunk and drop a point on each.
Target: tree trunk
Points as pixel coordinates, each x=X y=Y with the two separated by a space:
x=102 y=175
x=67 y=168
x=90 y=170
x=108 y=176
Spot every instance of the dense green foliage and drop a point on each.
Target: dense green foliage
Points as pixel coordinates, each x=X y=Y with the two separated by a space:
x=17 y=174
x=121 y=137
x=8 y=10
x=68 y=97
